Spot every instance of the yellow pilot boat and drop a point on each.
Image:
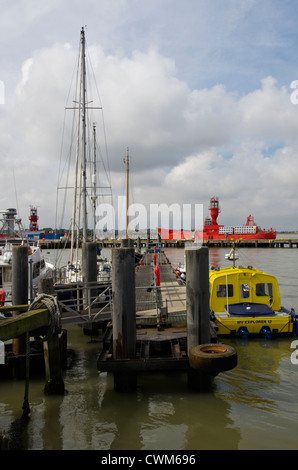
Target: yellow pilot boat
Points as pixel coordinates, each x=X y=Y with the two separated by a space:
x=246 y=302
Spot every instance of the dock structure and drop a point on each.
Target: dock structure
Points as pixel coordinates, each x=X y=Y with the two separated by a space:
x=284 y=242
x=169 y=322
x=150 y=321
x=40 y=319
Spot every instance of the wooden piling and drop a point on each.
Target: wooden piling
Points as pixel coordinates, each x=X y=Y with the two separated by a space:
x=197 y=309
x=124 y=314
x=19 y=297
x=197 y=297
x=54 y=380
x=51 y=350
x=126 y=243
x=89 y=262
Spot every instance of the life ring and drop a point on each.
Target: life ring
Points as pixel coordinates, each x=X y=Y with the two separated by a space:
x=2 y=297
x=212 y=358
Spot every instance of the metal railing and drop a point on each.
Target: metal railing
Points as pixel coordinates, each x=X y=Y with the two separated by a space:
x=84 y=303
x=89 y=303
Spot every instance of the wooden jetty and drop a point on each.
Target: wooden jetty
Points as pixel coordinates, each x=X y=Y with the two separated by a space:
x=151 y=323
x=41 y=319
x=284 y=242
x=158 y=326
x=277 y=243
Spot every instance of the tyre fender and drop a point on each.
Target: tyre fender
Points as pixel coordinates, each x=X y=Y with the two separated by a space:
x=212 y=358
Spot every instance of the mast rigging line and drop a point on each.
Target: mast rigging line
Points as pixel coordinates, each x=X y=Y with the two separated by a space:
x=82 y=104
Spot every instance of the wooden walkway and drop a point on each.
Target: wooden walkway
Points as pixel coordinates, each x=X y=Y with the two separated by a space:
x=161 y=328
x=161 y=336
x=170 y=297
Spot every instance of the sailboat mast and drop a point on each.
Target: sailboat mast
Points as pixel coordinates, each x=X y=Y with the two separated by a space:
x=127 y=190
x=83 y=163
x=93 y=197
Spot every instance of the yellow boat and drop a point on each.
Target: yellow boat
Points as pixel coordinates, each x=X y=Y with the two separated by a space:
x=246 y=301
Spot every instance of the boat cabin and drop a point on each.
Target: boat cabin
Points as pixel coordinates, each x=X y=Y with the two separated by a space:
x=231 y=286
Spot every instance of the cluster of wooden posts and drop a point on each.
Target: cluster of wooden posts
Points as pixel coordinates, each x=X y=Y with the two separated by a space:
x=27 y=322
x=123 y=314
x=124 y=362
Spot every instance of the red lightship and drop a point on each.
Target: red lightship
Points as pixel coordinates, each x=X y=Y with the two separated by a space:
x=213 y=231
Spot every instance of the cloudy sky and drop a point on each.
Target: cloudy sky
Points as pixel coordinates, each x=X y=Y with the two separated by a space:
x=201 y=91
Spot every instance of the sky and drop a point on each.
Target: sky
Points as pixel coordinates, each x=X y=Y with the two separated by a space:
x=202 y=92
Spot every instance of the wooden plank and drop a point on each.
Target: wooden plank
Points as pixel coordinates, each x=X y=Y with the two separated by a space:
x=12 y=308
x=23 y=323
x=145 y=365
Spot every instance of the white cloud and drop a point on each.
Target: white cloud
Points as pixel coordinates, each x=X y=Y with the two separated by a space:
x=187 y=142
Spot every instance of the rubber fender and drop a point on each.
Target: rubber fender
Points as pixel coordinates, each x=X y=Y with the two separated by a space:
x=212 y=358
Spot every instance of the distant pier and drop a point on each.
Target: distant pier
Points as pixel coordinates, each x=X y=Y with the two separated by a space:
x=142 y=243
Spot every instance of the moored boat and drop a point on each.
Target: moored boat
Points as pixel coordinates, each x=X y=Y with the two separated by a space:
x=248 y=231
x=213 y=231
x=246 y=302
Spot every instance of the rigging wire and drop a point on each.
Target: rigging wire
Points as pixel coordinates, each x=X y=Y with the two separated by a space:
x=65 y=166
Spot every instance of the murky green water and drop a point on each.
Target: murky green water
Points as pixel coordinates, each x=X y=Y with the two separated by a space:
x=253 y=406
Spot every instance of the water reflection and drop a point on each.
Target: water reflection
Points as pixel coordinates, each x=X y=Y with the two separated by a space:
x=246 y=405
x=163 y=414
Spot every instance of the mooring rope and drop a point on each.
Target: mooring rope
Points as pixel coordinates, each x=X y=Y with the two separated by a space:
x=51 y=304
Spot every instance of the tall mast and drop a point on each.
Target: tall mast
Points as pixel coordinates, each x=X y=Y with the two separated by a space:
x=93 y=196
x=83 y=162
x=127 y=190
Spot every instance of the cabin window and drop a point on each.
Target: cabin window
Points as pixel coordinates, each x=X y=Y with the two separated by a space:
x=244 y=291
x=221 y=290
x=263 y=289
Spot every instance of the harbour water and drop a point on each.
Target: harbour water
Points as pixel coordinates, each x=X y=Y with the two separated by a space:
x=253 y=406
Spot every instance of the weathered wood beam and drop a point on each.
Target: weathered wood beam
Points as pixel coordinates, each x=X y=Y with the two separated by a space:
x=30 y=322
x=23 y=323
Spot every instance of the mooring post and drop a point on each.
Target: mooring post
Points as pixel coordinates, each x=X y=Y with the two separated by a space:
x=51 y=350
x=197 y=297
x=197 y=306
x=19 y=290
x=124 y=314
x=126 y=243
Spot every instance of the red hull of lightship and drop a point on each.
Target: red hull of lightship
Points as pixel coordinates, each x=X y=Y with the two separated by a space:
x=213 y=231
